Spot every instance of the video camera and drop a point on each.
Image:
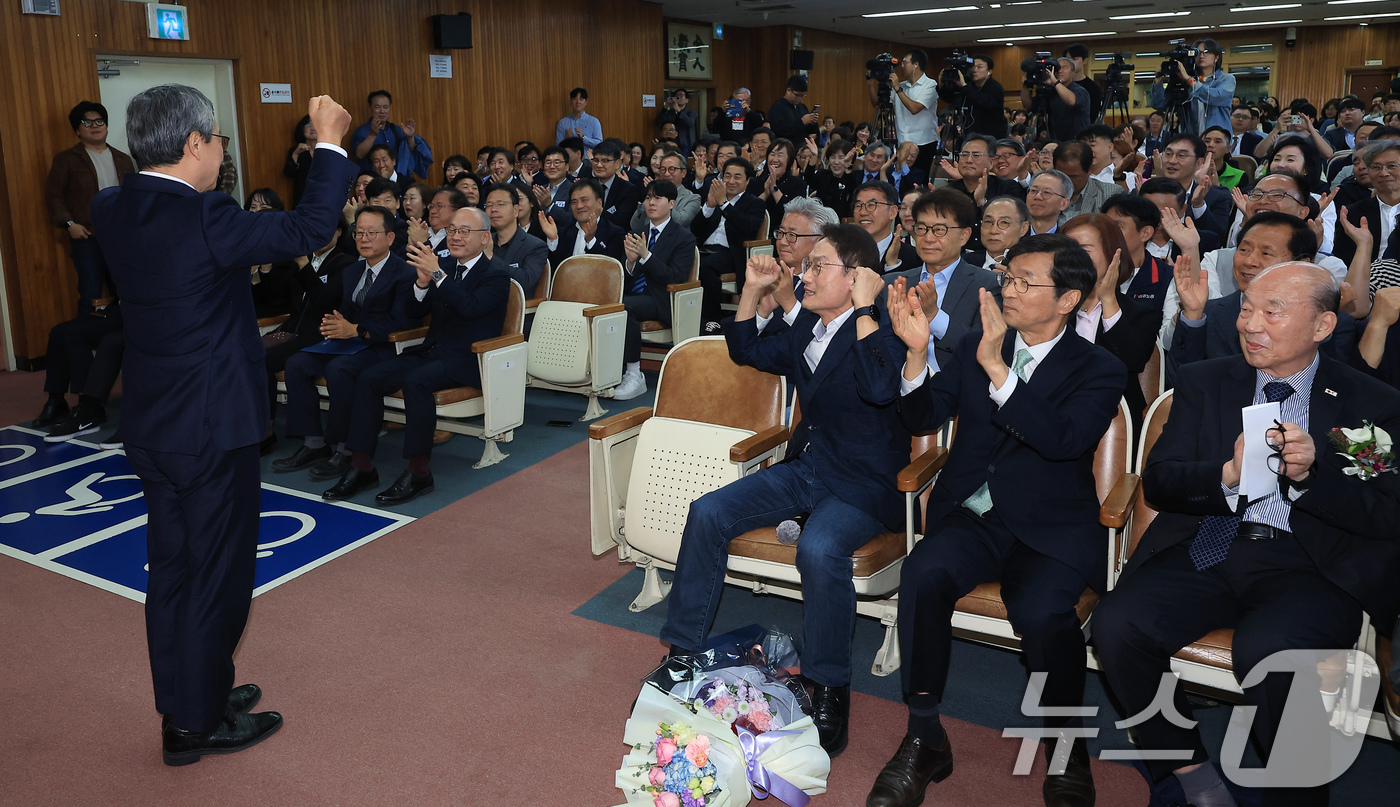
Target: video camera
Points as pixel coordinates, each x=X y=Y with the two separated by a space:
x=1176 y=90
x=959 y=62
x=1119 y=72
x=879 y=69
x=1036 y=67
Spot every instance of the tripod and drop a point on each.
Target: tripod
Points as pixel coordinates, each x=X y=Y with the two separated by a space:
x=1115 y=98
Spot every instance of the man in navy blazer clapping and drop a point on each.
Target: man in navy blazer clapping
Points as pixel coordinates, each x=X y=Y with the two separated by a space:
x=195 y=394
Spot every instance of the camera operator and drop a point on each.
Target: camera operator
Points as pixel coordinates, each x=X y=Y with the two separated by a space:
x=677 y=111
x=1210 y=91
x=1069 y=103
x=1078 y=53
x=789 y=117
x=984 y=96
x=915 y=99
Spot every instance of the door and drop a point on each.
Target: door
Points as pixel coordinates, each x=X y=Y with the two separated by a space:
x=1366 y=83
x=213 y=77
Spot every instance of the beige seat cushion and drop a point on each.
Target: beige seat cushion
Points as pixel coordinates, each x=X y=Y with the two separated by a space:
x=762 y=544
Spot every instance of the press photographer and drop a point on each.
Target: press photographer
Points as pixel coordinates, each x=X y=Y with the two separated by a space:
x=1058 y=97
x=913 y=100
x=967 y=83
x=1203 y=99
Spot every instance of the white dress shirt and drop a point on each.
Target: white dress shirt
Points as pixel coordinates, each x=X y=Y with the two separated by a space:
x=1086 y=323
x=718 y=238
x=821 y=338
x=466 y=267
x=647 y=235
x=1000 y=395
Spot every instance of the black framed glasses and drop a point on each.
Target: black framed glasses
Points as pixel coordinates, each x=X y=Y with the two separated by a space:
x=791 y=236
x=223 y=139
x=1021 y=284
x=1272 y=196
x=1275 y=439
x=1000 y=225
x=92 y=123
x=861 y=207
x=939 y=230
x=816 y=267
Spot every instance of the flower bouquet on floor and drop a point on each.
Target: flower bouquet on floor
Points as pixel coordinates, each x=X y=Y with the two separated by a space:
x=719 y=727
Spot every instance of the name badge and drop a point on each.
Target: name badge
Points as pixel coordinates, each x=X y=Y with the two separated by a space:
x=515 y=266
x=612 y=209
x=559 y=203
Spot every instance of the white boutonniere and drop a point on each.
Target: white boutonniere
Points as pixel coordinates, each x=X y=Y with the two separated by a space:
x=1369 y=449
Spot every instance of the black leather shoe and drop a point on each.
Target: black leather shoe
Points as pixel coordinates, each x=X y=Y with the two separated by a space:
x=405 y=489
x=333 y=466
x=240 y=699
x=53 y=411
x=302 y=458
x=831 y=712
x=901 y=783
x=353 y=482
x=1075 y=787
x=237 y=732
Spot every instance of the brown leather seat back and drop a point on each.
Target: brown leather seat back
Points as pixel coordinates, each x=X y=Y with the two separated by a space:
x=699 y=382
x=1111 y=457
x=515 y=311
x=1143 y=513
x=592 y=279
x=695 y=267
x=1150 y=379
x=542 y=287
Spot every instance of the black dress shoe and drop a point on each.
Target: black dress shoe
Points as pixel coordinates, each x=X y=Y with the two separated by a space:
x=236 y=732
x=353 y=482
x=268 y=445
x=53 y=411
x=831 y=712
x=240 y=699
x=1075 y=787
x=333 y=466
x=901 y=783
x=302 y=458
x=405 y=489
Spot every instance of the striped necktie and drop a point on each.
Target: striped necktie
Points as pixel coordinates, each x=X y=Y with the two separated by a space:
x=639 y=283
x=981 y=501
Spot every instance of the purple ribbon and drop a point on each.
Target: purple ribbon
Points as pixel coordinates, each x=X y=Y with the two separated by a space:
x=762 y=781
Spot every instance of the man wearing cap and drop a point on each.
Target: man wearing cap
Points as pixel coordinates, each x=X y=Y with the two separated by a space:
x=789 y=117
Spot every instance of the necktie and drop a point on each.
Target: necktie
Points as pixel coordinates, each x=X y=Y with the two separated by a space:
x=1235 y=144
x=1213 y=539
x=366 y=280
x=639 y=283
x=1392 y=245
x=461 y=270
x=981 y=501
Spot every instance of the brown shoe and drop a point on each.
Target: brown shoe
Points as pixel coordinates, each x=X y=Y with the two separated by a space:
x=902 y=781
x=1074 y=787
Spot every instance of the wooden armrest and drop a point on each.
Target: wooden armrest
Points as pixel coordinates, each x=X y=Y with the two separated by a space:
x=534 y=302
x=600 y=310
x=917 y=473
x=672 y=288
x=499 y=342
x=758 y=243
x=411 y=333
x=728 y=277
x=751 y=447
x=1114 y=510
x=98 y=302
x=265 y=322
x=619 y=423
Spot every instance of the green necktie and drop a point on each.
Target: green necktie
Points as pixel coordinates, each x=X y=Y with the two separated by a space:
x=981 y=501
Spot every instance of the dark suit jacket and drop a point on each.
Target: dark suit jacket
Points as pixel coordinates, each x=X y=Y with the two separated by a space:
x=386 y=303
x=1219 y=207
x=464 y=312
x=193 y=369
x=1149 y=286
x=833 y=191
x=525 y=257
x=1219 y=337
x=606 y=241
x=959 y=299
x=913 y=178
x=621 y=202
x=320 y=293
x=1337 y=138
x=72 y=183
x=1248 y=142
x=741 y=221
x=670 y=262
x=908 y=259
x=1345 y=525
x=1370 y=209
x=1036 y=452
x=1131 y=341
x=849 y=423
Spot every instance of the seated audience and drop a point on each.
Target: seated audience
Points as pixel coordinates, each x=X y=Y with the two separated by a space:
x=273 y=287
x=1184 y=159
x=84 y=357
x=382 y=162
x=972 y=173
x=877 y=212
x=501 y=171
x=445 y=203
x=524 y=257
x=729 y=217
x=780 y=180
x=903 y=173
x=1075 y=159
x=573 y=149
x=551 y=188
x=801 y=228
x=589 y=232
x=383 y=193
x=1047 y=198
x=1226 y=173
x=1382 y=159
x=672 y=169
x=1005 y=221
x=298 y=164
x=1297 y=156
x=620 y=196
x=1140 y=220
x=835 y=184
x=1010 y=161
x=1379 y=346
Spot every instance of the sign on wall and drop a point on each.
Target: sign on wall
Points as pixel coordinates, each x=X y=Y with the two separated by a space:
x=688 y=53
x=275 y=93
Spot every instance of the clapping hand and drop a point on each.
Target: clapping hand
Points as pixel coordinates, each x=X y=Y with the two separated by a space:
x=784 y=294
x=1241 y=201
x=951 y=169
x=548 y=227
x=542 y=197
x=336 y=326
x=993 y=334
x=1193 y=288
x=927 y=295
x=715 y=197
x=1182 y=232
x=1359 y=233
x=909 y=324
x=410 y=128
x=424 y=262
x=892 y=251
x=417 y=231
x=635 y=246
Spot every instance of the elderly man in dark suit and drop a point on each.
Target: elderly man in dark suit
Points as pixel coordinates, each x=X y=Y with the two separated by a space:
x=947 y=284
x=589 y=233
x=657 y=256
x=840 y=467
x=466 y=293
x=1016 y=502
x=194 y=400
x=1292 y=569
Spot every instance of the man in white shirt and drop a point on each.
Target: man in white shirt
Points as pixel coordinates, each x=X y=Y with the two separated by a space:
x=915 y=107
x=1005 y=221
x=1047 y=198
x=445 y=204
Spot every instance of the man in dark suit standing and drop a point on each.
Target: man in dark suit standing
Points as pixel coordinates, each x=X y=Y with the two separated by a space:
x=589 y=233
x=727 y=219
x=374 y=304
x=194 y=400
x=1016 y=502
x=1292 y=569
x=840 y=466
x=659 y=255
x=946 y=283
x=466 y=293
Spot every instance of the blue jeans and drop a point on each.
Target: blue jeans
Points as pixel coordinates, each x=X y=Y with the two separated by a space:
x=833 y=531
x=92 y=271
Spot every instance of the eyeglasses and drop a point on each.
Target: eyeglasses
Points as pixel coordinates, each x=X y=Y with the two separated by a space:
x=1384 y=168
x=554 y=163
x=816 y=267
x=939 y=230
x=603 y=160
x=530 y=159
x=791 y=236
x=971 y=155
x=365 y=235
x=465 y=230
x=1275 y=461
x=1272 y=196
x=1001 y=225
x=438 y=205
x=498 y=205
x=92 y=123
x=670 y=169
x=1022 y=285
x=1039 y=192
x=861 y=207
x=224 y=140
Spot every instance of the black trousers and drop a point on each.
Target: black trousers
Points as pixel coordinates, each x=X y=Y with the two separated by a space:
x=963 y=550
x=640 y=308
x=713 y=264
x=201 y=542
x=70 y=365
x=304 y=403
x=1273 y=597
x=276 y=362
x=419 y=375
x=927 y=155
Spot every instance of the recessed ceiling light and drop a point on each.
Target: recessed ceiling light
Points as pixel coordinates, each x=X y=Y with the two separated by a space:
x=1362 y=17
x=1025 y=3
x=1172 y=30
x=1081 y=36
x=1252 y=24
x=1150 y=16
x=919 y=11
x=1044 y=22
x=963 y=28
x=1268 y=8
x=1018 y=39
x=1351 y=2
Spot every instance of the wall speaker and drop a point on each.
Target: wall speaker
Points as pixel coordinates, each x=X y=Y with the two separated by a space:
x=802 y=59
x=452 y=31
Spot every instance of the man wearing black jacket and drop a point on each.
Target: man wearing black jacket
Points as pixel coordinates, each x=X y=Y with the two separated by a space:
x=984 y=96
x=589 y=233
x=789 y=117
x=728 y=218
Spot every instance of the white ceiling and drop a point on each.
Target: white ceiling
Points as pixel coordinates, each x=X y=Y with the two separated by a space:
x=1027 y=20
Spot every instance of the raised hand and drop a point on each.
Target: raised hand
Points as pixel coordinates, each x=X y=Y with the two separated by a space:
x=784 y=294
x=424 y=262
x=908 y=322
x=892 y=251
x=548 y=227
x=993 y=334
x=1386 y=307
x=1182 y=232
x=868 y=285
x=410 y=128
x=1106 y=287
x=541 y=195
x=632 y=244
x=715 y=197
x=1192 y=287
x=761 y=275
x=1241 y=201
x=1359 y=233
x=1347 y=302
x=329 y=119
x=417 y=231
x=951 y=169
x=1327 y=199
x=927 y=295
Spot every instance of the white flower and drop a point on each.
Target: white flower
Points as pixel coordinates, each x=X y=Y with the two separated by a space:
x=730 y=715
x=1383 y=443
x=1361 y=435
x=743 y=707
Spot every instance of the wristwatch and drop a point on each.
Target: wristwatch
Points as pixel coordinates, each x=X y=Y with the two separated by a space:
x=872 y=311
x=438 y=275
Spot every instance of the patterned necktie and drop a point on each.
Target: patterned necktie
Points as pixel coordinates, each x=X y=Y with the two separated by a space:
x=639 y=283
x=1213 y=539
x=981 y=501
x=366 y=280
x=1235 y=144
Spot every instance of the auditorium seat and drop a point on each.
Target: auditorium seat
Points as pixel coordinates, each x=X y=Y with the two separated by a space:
x=269 y=324
x=541 y=291
x=578 y=331
x=728 y=281
x=657 y=339
x=1153 y=379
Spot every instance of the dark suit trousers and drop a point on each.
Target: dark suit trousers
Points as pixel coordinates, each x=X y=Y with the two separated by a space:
x=303 y=402
x=276 y=362
x=712 y=265
x=1274 y=598
x=70 y=365
x=91 y=266
x=419 y=375
x=640 y=308
x=201 y=542
x=963 y=550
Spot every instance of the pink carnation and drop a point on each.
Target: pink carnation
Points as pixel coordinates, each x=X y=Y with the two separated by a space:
x=667 y=799
x=698 y=752
x=665 y=749
x=762 y=721
x=657 y=776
